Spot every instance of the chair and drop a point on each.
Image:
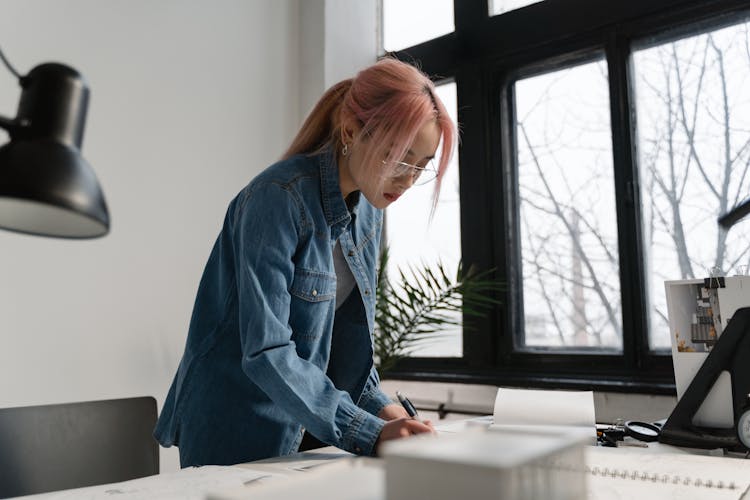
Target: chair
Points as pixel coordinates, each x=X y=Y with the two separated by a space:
x=61 y=446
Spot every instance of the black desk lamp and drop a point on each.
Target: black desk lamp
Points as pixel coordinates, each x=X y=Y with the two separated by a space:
x=46 y=187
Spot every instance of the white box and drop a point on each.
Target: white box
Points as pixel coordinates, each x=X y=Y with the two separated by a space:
x=486 y=464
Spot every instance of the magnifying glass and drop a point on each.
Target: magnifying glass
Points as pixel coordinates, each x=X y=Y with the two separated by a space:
x=642 y=431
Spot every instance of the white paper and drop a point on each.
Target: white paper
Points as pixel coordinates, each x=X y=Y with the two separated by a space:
x=185 y=484
x=456 y=426
x=347 y=479
x=299 y=462
x=521 y=407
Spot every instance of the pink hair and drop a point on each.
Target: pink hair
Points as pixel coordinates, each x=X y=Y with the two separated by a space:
x=391 y=101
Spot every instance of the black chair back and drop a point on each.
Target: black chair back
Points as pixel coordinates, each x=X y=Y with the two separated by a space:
x=62 y=446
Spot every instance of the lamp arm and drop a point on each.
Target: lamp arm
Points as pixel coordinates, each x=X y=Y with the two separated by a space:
x=9 y=66
x=735 y=215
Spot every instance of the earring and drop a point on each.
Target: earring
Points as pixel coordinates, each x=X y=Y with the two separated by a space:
x=345 y=150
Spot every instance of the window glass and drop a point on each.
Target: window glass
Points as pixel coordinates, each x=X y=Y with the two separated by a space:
x=498 y=7
x=693 y=128
x=410 y=22
x=414 y=240
x=568 y=226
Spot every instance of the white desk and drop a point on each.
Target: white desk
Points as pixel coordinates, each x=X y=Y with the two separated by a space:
x=625 y=473
x=329 y=470
x=196 y=483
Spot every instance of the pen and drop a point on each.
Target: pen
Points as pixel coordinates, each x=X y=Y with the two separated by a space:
x=408 y=406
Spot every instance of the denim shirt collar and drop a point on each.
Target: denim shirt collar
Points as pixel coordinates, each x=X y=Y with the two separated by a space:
x=334 y=205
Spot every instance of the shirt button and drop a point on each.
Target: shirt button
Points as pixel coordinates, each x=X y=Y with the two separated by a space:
x=314 y=293
x=351 y=253
x=367 y=292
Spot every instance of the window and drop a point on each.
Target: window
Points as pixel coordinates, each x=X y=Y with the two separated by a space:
x=596 y=153
x=502 y=6
x=413 y=239
x=407 y=23
x=568 y=221
x=693 y=105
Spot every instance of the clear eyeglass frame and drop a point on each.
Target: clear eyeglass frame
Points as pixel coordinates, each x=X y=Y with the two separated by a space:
x=420 y=175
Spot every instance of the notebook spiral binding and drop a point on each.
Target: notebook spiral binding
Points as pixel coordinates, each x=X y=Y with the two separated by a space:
x=635 y=475
x=658 y=478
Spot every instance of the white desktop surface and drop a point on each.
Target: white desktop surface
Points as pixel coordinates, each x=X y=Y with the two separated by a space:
x=364 y=478
x=338 y=473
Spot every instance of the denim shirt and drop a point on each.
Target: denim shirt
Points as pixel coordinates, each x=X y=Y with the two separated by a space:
x=268 y=355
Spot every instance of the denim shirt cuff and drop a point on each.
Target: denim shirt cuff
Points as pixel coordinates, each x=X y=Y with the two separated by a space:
x=373 y=401
x=362 y=433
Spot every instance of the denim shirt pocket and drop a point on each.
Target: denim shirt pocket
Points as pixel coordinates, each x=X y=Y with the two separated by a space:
x=313 y=286
x=311 y=313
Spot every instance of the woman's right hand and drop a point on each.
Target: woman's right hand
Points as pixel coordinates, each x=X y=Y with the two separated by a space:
x=401 y=428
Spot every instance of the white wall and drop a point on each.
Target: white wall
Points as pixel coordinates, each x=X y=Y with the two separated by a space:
x=189 y=100
x=337 y=39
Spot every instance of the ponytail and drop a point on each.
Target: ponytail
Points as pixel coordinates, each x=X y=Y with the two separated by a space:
x=321 y=124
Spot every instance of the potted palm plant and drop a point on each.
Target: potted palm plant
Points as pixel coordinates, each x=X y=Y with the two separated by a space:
x=426 y=302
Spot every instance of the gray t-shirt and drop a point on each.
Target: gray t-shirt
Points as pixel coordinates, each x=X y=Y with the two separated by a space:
x=344 y=278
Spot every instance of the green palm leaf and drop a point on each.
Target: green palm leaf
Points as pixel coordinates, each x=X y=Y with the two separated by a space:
x=424 y=305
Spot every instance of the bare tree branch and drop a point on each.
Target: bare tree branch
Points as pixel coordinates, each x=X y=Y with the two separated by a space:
x=690 y=129
x=612 y=258
x=739 y=196
x=721 y=237
x=735 y=262
x=547 y=299
x=592 y=274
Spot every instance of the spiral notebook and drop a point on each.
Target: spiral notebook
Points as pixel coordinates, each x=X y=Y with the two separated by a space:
x=616 y=473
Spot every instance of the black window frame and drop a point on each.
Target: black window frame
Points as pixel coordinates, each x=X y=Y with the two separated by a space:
x=484 y=56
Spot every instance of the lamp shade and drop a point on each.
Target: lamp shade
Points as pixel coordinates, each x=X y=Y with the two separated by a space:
x=46 y=187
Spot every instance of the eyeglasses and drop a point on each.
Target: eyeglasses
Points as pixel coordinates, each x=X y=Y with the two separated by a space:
x=420 y=175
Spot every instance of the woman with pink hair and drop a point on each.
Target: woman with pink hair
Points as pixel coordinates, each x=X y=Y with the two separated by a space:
x=279 y=350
